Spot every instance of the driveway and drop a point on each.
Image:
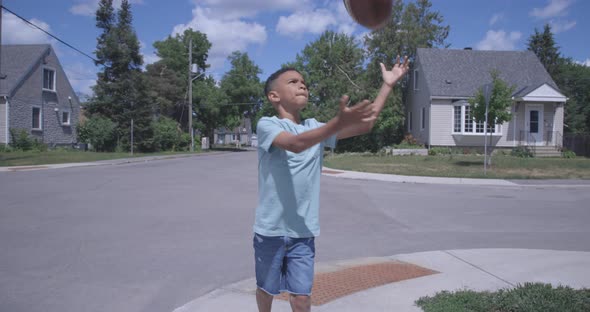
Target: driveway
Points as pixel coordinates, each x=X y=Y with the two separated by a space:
x=152 y=236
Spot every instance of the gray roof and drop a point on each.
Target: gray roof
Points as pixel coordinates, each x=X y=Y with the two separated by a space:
x=459 y=73
x=17 y=62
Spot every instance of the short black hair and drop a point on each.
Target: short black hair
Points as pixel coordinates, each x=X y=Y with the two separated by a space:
x=276 y=75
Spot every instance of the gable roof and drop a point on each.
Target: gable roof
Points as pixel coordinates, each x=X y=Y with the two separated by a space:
x=460 y=73
x=17 y=62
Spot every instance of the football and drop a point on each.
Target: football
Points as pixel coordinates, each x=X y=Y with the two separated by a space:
x=372 y=14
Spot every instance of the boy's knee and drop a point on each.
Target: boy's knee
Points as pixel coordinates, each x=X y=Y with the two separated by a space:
x=301 y=302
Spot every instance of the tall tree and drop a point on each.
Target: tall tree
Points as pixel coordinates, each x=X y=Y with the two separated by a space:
x=211 y=111
x=543 y=45
x=120 y=93
x=411 y=27
x=167 y=77
x=242 y=87
x=574 y=81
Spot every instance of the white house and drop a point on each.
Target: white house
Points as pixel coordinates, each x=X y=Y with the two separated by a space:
x=442 y=81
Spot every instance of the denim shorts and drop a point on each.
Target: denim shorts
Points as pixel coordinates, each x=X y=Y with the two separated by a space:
x=284 y=264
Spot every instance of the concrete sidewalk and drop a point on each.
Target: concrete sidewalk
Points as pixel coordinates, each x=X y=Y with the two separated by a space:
x=474 y=269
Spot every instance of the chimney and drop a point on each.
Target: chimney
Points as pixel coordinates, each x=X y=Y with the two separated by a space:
x=467 y=48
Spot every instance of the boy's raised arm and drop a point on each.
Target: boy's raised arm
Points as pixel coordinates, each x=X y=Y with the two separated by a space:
x=390 y=78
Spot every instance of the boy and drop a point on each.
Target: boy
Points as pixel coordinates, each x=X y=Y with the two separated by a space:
x=290 y=155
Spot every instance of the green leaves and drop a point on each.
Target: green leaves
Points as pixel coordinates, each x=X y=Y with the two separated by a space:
x=499 y=104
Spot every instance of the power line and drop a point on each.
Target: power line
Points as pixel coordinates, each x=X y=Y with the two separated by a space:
x=56 y=38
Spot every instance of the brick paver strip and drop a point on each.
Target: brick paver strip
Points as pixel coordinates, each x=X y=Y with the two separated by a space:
x=331 y=171
x=333 y=285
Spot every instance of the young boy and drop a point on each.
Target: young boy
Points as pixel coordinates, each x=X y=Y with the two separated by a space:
x=290 y=155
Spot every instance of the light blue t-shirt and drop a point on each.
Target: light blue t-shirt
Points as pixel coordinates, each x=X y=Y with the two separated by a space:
x=288 y=183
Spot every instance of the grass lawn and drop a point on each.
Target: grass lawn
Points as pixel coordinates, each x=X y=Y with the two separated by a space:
x=464 y=166
x=528 y=297
x=58 y=156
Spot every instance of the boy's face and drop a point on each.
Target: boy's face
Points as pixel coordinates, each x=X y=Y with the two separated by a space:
x=289 y=90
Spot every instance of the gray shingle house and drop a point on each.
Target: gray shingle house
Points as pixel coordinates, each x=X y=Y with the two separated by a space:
x=438 y=113
x=35 y=95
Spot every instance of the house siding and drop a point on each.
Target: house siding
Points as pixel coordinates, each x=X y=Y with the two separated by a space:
x=3 y=121
x=442 y=119
x=417 y=100
x=31 y=94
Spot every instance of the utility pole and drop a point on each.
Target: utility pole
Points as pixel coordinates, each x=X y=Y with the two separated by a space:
x=190 y=94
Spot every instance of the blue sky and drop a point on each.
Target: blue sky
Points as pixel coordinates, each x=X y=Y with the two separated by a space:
x=272 y=32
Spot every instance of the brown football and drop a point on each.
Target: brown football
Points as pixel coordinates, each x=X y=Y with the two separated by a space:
x=372 y=14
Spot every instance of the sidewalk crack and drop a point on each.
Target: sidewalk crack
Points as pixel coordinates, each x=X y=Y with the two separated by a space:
x=479 y=268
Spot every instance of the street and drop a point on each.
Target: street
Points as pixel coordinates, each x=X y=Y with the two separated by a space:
x=152 y=236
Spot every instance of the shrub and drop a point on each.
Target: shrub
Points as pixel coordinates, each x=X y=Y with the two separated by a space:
x=169 y=136
x=100 y=132
x=408 y=142
x=568 y=154
x=20 y=140
x=522 y=151
x=433 y=151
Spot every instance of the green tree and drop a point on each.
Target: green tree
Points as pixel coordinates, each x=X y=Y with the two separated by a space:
x=500 y=102
x=211 y=111
x=120 y=93
x=413 y=26
x=574 y=82
x=242 y=88
x=167 y=78
x=543 y=45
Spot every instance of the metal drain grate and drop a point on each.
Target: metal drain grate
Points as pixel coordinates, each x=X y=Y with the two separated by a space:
x=333 y=285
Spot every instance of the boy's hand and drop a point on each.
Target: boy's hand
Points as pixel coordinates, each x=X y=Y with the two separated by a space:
x=390 y=77
x=357 y=114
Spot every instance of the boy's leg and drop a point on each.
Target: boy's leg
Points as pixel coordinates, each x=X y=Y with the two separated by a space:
x=268 y=256
x=264 y=300
x=299 y=272
x=300 y=303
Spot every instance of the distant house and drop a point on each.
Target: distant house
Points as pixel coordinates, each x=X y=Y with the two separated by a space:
x=35 y=95
x=438 y=112
x=241 y=134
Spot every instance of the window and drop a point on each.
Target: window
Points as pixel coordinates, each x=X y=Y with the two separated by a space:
x=415 y=80
x=65 y=118
x=48 y=79
x=409 y=121
x=464 y=123
x=36 y=118
x=423 y=118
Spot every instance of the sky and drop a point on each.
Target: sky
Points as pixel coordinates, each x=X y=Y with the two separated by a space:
x=272 y=32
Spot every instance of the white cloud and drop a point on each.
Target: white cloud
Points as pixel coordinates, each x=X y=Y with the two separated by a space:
x=225 y=35
x=496 y=18
x=316 y=21
x=585 y=63
x=88 y=7
x=234 y=9
x=552 y=9
x=499 y=40
x=298 y=23
x=15 y=31
x=561 y=26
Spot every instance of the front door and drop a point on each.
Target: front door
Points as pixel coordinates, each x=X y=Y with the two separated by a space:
x=534 y=124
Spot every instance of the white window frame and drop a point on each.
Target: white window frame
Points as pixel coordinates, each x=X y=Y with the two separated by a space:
x=423 y=118
x=69 y=119
x=40 y=119
x=416 y=80
x=474 y=127
x=54 y=87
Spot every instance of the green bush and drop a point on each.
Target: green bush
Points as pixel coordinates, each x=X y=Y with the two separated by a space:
x=528 y=297
x=437 y=150
x=522 y=151
x=169 y=137
x=100 y=132
x=568 y=154
x=5 y=148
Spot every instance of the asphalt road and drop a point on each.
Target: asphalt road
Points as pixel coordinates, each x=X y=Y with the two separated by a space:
x=153 y=236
